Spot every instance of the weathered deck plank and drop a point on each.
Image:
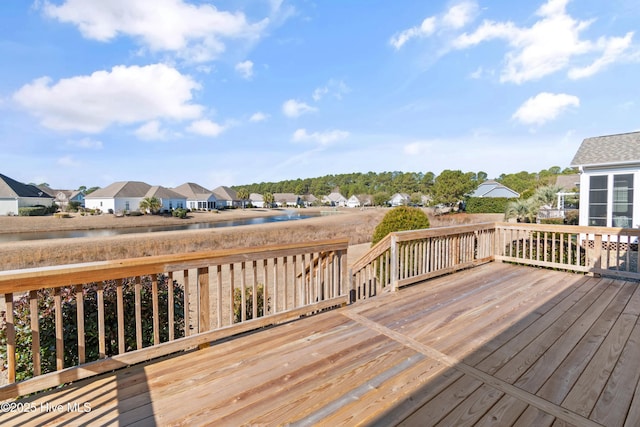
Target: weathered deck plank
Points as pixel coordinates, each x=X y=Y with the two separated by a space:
x=494 y=345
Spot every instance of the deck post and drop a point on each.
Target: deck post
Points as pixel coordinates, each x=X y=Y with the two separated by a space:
x=394 y=262
x=597 y=255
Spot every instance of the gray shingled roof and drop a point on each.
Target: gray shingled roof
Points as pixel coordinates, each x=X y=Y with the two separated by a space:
x=121 y=189
x=11 y=188
x=608 y=150
x=225 y=193
x=164 y=193
x=193 y=191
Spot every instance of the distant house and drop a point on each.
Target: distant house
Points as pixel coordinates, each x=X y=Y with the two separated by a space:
x=256 y=200
x=568 y=183
x=494 y=189
x=198 y=197
x=287 y=200
x=226 y=197
x=124 y=196
x=609 y=172
x=359 y=201
x=15 y=195
x=309 y=200
x=335 y=199
x=399 y=199
x=63 y=198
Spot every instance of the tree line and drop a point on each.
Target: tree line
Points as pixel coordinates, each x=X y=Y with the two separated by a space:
x=448 y=187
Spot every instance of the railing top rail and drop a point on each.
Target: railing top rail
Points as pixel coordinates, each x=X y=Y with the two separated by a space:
x=559 y=228
x=402 y=236
x=64 y=275
x=373 y=253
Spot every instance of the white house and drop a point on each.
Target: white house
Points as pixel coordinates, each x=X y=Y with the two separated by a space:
x=125 y=196
x=358 y=201
x=287 y=200
x=226 y=197
x=198 y=197
x=609 y=171
x=335 y=199
x=399 y=199
x=494 y=189
x=63 y=198
x=256 y=200
x=15 y=195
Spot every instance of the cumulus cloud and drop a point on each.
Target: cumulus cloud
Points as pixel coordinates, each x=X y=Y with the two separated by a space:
x=293 y=108
x=322 y=138
x=245 y=69
x=193 y=31
x=258 y=117
x=124 y=95
x=548 y=46
x=151 y=131
x=206 y=128
x=456 y=17
x=544 y=107
x=335 y=88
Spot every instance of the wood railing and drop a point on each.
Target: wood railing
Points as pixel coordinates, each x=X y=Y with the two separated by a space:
x=408 y=257
x=69 y=322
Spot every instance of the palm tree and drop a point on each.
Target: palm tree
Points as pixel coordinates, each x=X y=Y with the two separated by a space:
x=522 y=210
x=150 y=204
x=547 y=195
x=243 y=194
x=268 y=199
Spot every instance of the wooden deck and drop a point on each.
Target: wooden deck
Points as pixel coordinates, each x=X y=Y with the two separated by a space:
x=493 y=345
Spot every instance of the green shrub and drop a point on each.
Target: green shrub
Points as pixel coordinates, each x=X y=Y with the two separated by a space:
x=179 y=213
x=572 y=217
x=399 y=219
x=558 y=221
x=487 y=204
x=32 y=211
x=248 y=294
x=46 y=310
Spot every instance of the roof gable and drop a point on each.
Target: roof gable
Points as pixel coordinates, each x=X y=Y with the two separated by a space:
x=608 y=150
x=193 y=191
x=9 y=187
x=225 y=193
x=163 y=193
x=121 y=189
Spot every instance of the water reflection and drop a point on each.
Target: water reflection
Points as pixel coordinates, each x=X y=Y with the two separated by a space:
x=287 y=216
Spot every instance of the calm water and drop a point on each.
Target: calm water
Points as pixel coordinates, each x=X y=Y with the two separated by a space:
x=118 y=231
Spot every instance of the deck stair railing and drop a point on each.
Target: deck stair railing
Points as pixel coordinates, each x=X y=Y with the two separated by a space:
x=407 y=257
x=177 y=302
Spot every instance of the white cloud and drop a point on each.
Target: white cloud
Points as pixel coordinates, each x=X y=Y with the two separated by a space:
x=258 y=117
x=322 y=138
x=245 y=69
x=456 y=17
x=151 y=131
x=417 y=148
x=425 y=29
x=124 y=95
x=293 y=108
x=67 y=161
x=195 y=32
x=206 y=128
x=85 y=143
x=548 y=46
x=544 y=107
x=335 y=88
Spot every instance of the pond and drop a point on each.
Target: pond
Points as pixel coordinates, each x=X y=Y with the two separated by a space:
x=65 y=234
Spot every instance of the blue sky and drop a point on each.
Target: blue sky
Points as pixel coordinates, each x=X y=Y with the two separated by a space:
x=239 y=91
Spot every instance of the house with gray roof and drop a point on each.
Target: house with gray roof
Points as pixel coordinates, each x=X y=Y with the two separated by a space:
x=494 y=189
x=360 y=201
x=287 y=200
x=63 y=198
x=226 y=197
x=256 y=200
x=124 y=196
x=198 y=197
x=15 y=195
x=334 y=199
x=609 y=171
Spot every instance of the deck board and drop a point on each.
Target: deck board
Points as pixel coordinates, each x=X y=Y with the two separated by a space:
x=498 y=344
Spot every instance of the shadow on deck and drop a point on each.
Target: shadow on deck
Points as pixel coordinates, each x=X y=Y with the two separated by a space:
x=494 y=345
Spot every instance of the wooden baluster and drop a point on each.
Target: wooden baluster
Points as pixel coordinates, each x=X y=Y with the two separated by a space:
x=11 y=339
x=254 y=266
x=186 y=299
x=232 y=294
x=101 y=329
x=243 y=292
x=275 y=285
x=203 y=286
x=219 y=294
x=57 y=301
x=120 y=313
x=296 y=290
x=138 y=311
x=170 y=305
x=265 y=295
x=80 y=321
x=285 y=281
x=35 y=332
x=156 y=309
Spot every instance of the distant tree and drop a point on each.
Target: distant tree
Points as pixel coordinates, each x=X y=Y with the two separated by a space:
x=547 y=196
x=522 y=210
x=243 y=194
x=380 y=198
x=451 y=186
x=481 y=177
x=150 y=204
